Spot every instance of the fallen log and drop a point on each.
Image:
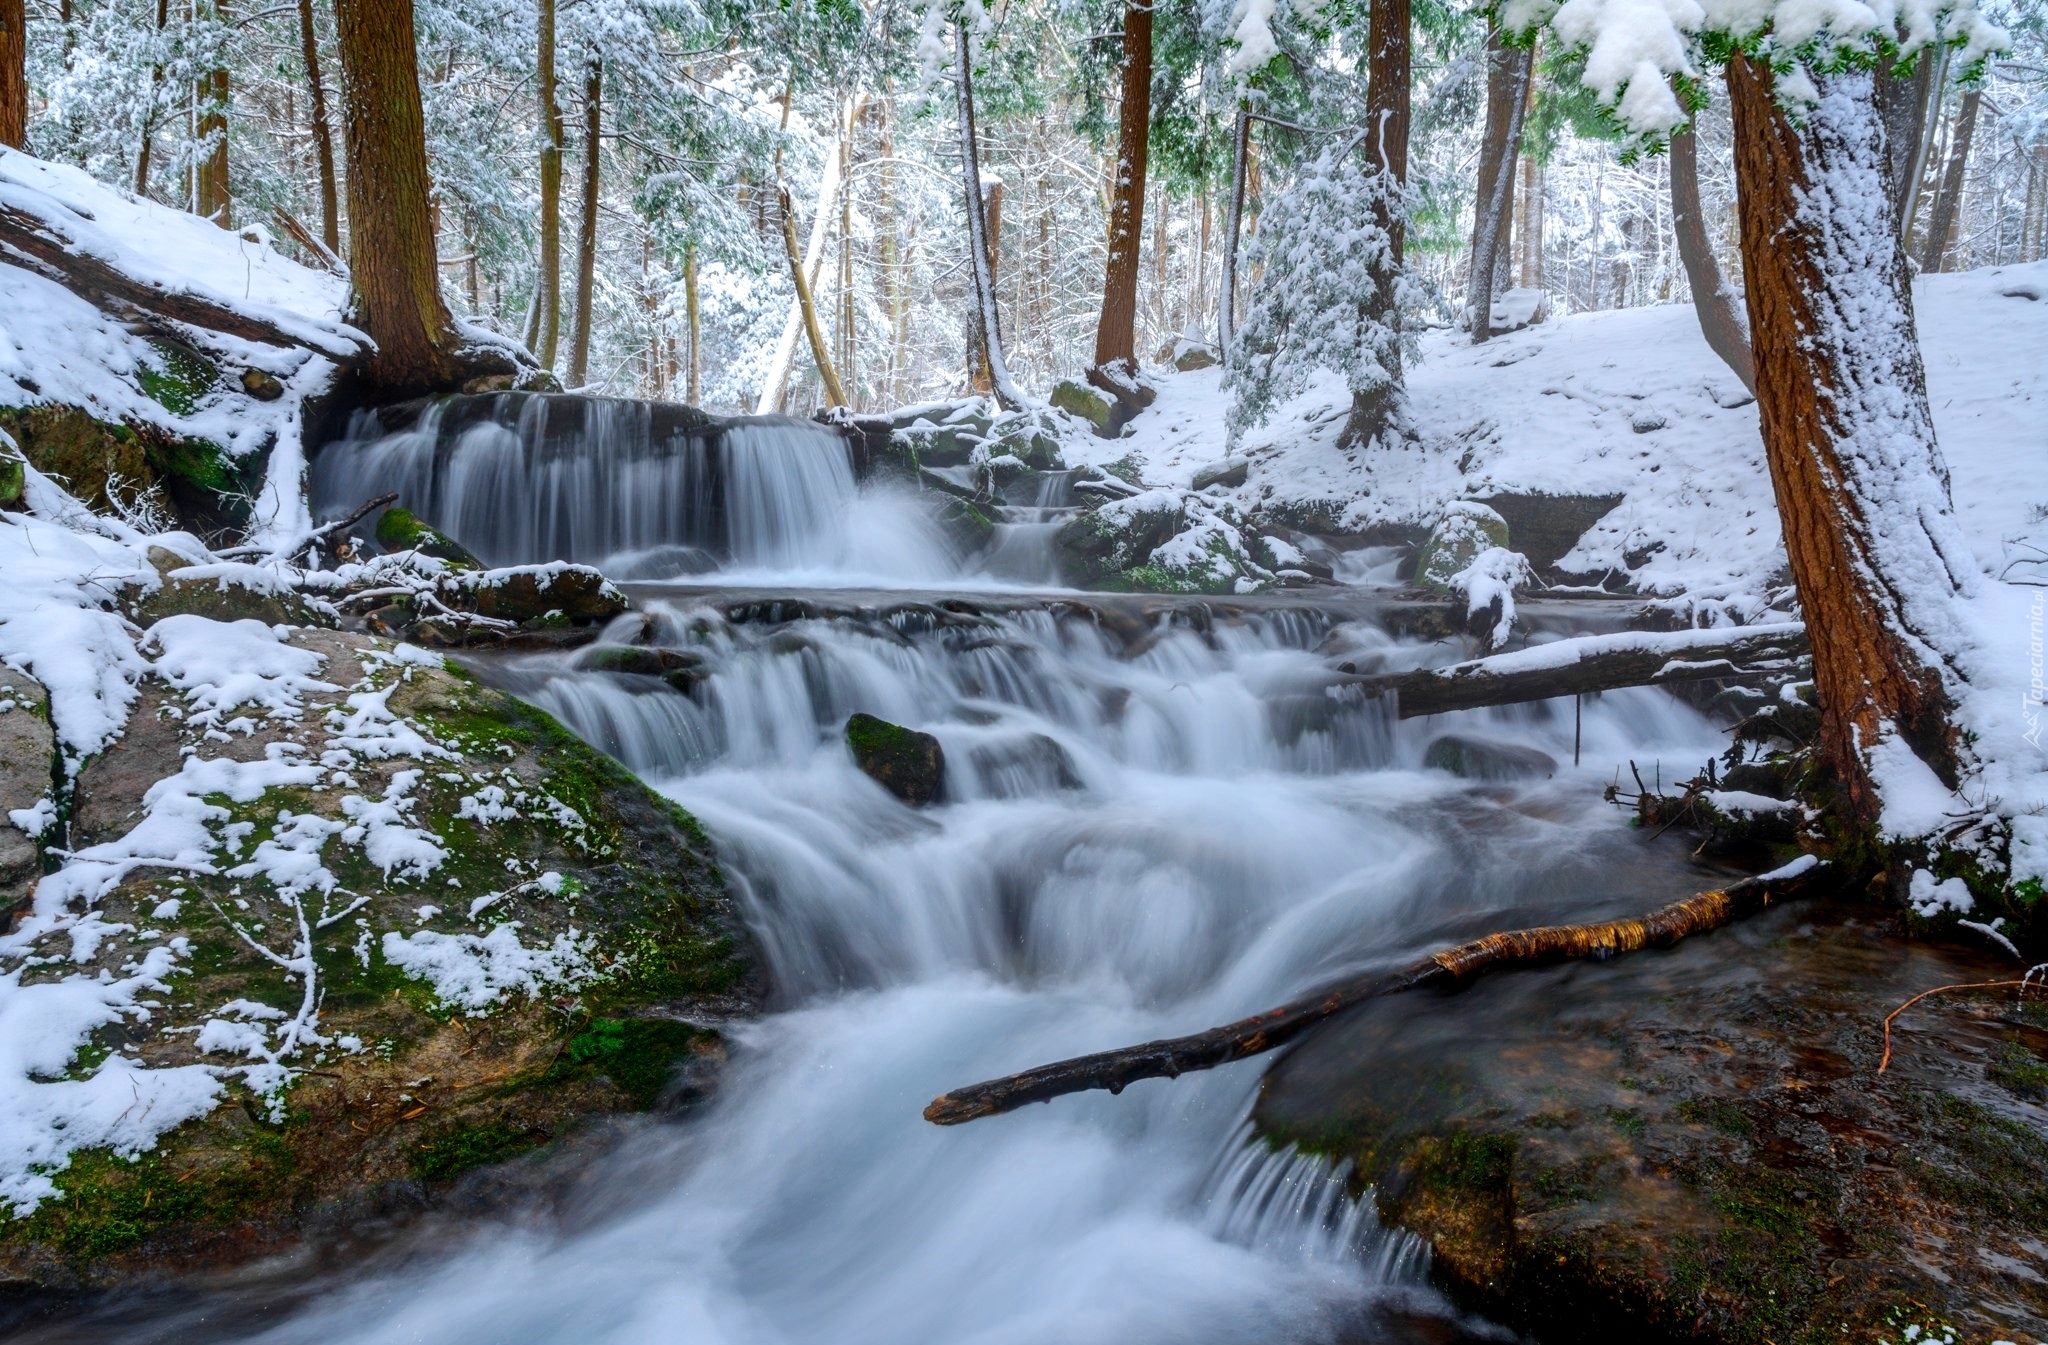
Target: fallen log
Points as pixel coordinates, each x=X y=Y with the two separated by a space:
x=1450 y=968
x=33 y=242
x=1590 y=663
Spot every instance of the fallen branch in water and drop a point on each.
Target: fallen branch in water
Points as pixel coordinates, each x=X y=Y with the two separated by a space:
x=1886 y=1062
x=1591 y=663
x=1173 y=1057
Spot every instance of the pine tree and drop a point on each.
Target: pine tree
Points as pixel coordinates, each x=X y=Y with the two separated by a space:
x=13 y=74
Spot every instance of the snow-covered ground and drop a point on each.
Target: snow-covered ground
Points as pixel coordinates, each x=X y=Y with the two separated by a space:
x=1631 y=403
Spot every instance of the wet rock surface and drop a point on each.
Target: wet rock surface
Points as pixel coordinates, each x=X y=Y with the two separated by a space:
x=907 y=763
x=1696 y=1144
x=27 y=777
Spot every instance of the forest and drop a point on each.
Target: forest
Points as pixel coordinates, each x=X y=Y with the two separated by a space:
x=626 y=625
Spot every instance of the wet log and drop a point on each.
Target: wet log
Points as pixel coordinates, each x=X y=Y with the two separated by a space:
x=1449 y=969
x=1591 y=663
x=33 y=241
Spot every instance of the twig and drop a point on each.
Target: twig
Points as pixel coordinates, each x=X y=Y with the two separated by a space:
x=1885 y=1063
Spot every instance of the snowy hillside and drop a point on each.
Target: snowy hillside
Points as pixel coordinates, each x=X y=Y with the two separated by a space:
x=1632 y=403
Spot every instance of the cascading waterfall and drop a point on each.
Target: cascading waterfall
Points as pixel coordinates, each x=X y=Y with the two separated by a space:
x=1138 y=839
x=643 y=492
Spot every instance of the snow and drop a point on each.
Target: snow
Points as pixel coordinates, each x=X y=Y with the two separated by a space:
x=224 y=665
x=473 y=972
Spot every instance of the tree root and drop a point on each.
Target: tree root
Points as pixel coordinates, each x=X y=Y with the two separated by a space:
x=1173 y=1057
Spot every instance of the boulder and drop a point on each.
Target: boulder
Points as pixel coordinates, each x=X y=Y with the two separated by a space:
x=1545 y=527
x=13 y=477
x=903 y=761
x=1229 y=473
x=1197 y=355
x=1466 y=528
x=402 y=530
x=224 y=591
x=1478 y=759
x=966 y=524
x=641 y=661
x=1090 y=404
x=556 y=594
x=262 y=386
x=28 y=761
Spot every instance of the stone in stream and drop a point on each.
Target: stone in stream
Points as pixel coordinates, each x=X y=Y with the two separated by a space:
x=1477 y=759
x=903 y=761
x=402 y=530
x=1695 y=1144
x=1466 y=529
x=533 y=941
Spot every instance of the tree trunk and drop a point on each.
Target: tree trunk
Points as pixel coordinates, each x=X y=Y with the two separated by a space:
x=809 y=308
x=156 y=80
x=845 y=356
x=1902 y=105
x=1719 y=310
x=1861 y=486
x=1949 y=201
x=323 y=134
x=1507 y=97
x=13 y=74
x=978 y=245
x=549 y=295
x=1233 y=228
x=978 y=376
x=1499 y=146
x=391 y=234
x=210 y=181
x=1386 y=149
x=690 y=311
x=1116 y=333
x=586 y=232
x=776 y=384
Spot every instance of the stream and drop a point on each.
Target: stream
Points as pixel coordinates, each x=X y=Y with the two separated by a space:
x=1141 y=836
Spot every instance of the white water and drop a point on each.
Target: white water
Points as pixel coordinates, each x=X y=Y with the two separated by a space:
x=763 y=500
x=1227 y=830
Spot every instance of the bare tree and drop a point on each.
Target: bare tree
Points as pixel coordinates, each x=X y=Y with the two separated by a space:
x=1716 y=303
x=1948 y=201
x=13 y=74
x=1116 y=357
x=586 y=232
x=323 y=133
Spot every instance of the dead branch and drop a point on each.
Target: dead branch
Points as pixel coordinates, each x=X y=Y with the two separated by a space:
x=1593 y=663
x=32 y=240
x=1885 y=1063
x=1452 y=967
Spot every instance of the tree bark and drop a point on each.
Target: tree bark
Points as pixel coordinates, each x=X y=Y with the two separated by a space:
x=1719 y=310
x=1507 y=98
x=1452 y=968
x=1233 y=227
x=1589 y=664
x=1902 y=105
x=211 y=198
x=979 y=378
x=690 y=319
x=586 y=231
x=391 y=235
x=823 y=357
x=549 y=299
x=1941 y=224
x=1386 y=148
x=978 y=246
x=323 y=133
x=1116 y=355
x=1861 y=486
x=13 y=74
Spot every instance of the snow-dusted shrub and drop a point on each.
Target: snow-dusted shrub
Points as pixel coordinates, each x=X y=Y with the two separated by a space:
x=1332 y=296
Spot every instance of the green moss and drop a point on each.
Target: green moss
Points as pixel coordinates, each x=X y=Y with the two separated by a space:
x=402 y=530
x=458 y=1149
x=638 y=1055
x=1629 y=1123
x=110 y=1204
x=182 y=378
x=1721 y=1115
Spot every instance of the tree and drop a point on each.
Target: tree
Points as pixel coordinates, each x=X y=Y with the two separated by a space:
x=1942 y=222
x=13 y=74
x=1717 y=305
x=980 y=249
x=1387 y=116
x=1861 y=486
x=210 y=194
x=544 y=327
x=1508 y=74
x=1116 y=357
x=323 y=134
x=391 y=233
x=586 y=230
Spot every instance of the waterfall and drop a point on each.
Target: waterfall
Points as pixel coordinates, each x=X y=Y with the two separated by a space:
x=641 y=490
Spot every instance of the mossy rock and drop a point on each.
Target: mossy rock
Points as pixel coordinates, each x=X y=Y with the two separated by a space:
x=1090 y=404
x=180 y=379
x=227 y=593
x=1035 y=448
x=967 y=525
x=13 y=479
x=402 y=530
x=574 y=595
x=194 y=480
x=907 y=763
x=1466 y=529
x=570 y=846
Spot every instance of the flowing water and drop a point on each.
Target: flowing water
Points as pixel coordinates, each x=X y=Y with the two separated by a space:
x=1140 y=836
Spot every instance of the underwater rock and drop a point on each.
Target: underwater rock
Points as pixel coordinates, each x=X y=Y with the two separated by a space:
x=1477 y=759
